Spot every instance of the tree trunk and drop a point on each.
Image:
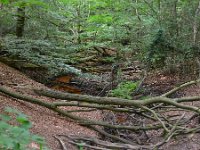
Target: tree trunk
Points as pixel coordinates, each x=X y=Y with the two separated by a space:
x=176 y=17
x=20 y=20
x=195 y=24
x=1 y=6
x=159 y=12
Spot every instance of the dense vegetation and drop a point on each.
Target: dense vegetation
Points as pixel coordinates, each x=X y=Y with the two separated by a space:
x=157 y=32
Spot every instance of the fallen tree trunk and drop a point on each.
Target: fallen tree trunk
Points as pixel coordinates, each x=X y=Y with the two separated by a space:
x=119 y=101
x=148 y=110
x=37 y=54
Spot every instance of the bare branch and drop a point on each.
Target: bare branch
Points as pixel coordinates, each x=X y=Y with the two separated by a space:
x=61 y=142
x=180 y=87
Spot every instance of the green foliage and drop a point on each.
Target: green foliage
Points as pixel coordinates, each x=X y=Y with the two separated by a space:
x=4 y=1
x=80 y=146
x=158 y=50
x=128 y=25
x=109 y=59
x=124 y=89
x=14 y=131
x=41 y=53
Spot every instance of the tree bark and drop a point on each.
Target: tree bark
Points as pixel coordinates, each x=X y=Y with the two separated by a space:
x=20 y=20
x=195 y=24
x=175 y=17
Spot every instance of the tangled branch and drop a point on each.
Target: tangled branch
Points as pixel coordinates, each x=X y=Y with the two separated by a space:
x=152 y=117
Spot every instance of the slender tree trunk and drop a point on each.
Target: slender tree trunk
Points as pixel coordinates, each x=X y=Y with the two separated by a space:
x=175 y=17
x=79 y=23
x=137 y=12
x=159 y=13
x=195 y=24
x=20 y=20
x=195 y=31
x=1 y=6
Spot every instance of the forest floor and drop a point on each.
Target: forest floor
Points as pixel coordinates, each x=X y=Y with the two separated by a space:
x=49 y=124
x=45 y=122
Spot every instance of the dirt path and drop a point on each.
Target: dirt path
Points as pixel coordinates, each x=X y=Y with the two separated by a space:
x=45 y=122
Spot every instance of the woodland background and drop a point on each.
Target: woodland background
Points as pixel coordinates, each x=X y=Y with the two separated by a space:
x=110 y=54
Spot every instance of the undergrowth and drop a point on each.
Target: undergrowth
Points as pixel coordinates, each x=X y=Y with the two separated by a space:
x=14 y=132
x=124 y=90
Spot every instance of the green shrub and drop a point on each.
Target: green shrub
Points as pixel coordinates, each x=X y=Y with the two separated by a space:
x=14 y=131
x=124 y=89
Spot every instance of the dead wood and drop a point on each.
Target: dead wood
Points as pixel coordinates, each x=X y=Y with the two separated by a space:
x=106 y=144
x=120 y=101
x=161 y=122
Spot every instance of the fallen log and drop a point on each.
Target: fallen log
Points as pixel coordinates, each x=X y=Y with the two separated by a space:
x=161 y=122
